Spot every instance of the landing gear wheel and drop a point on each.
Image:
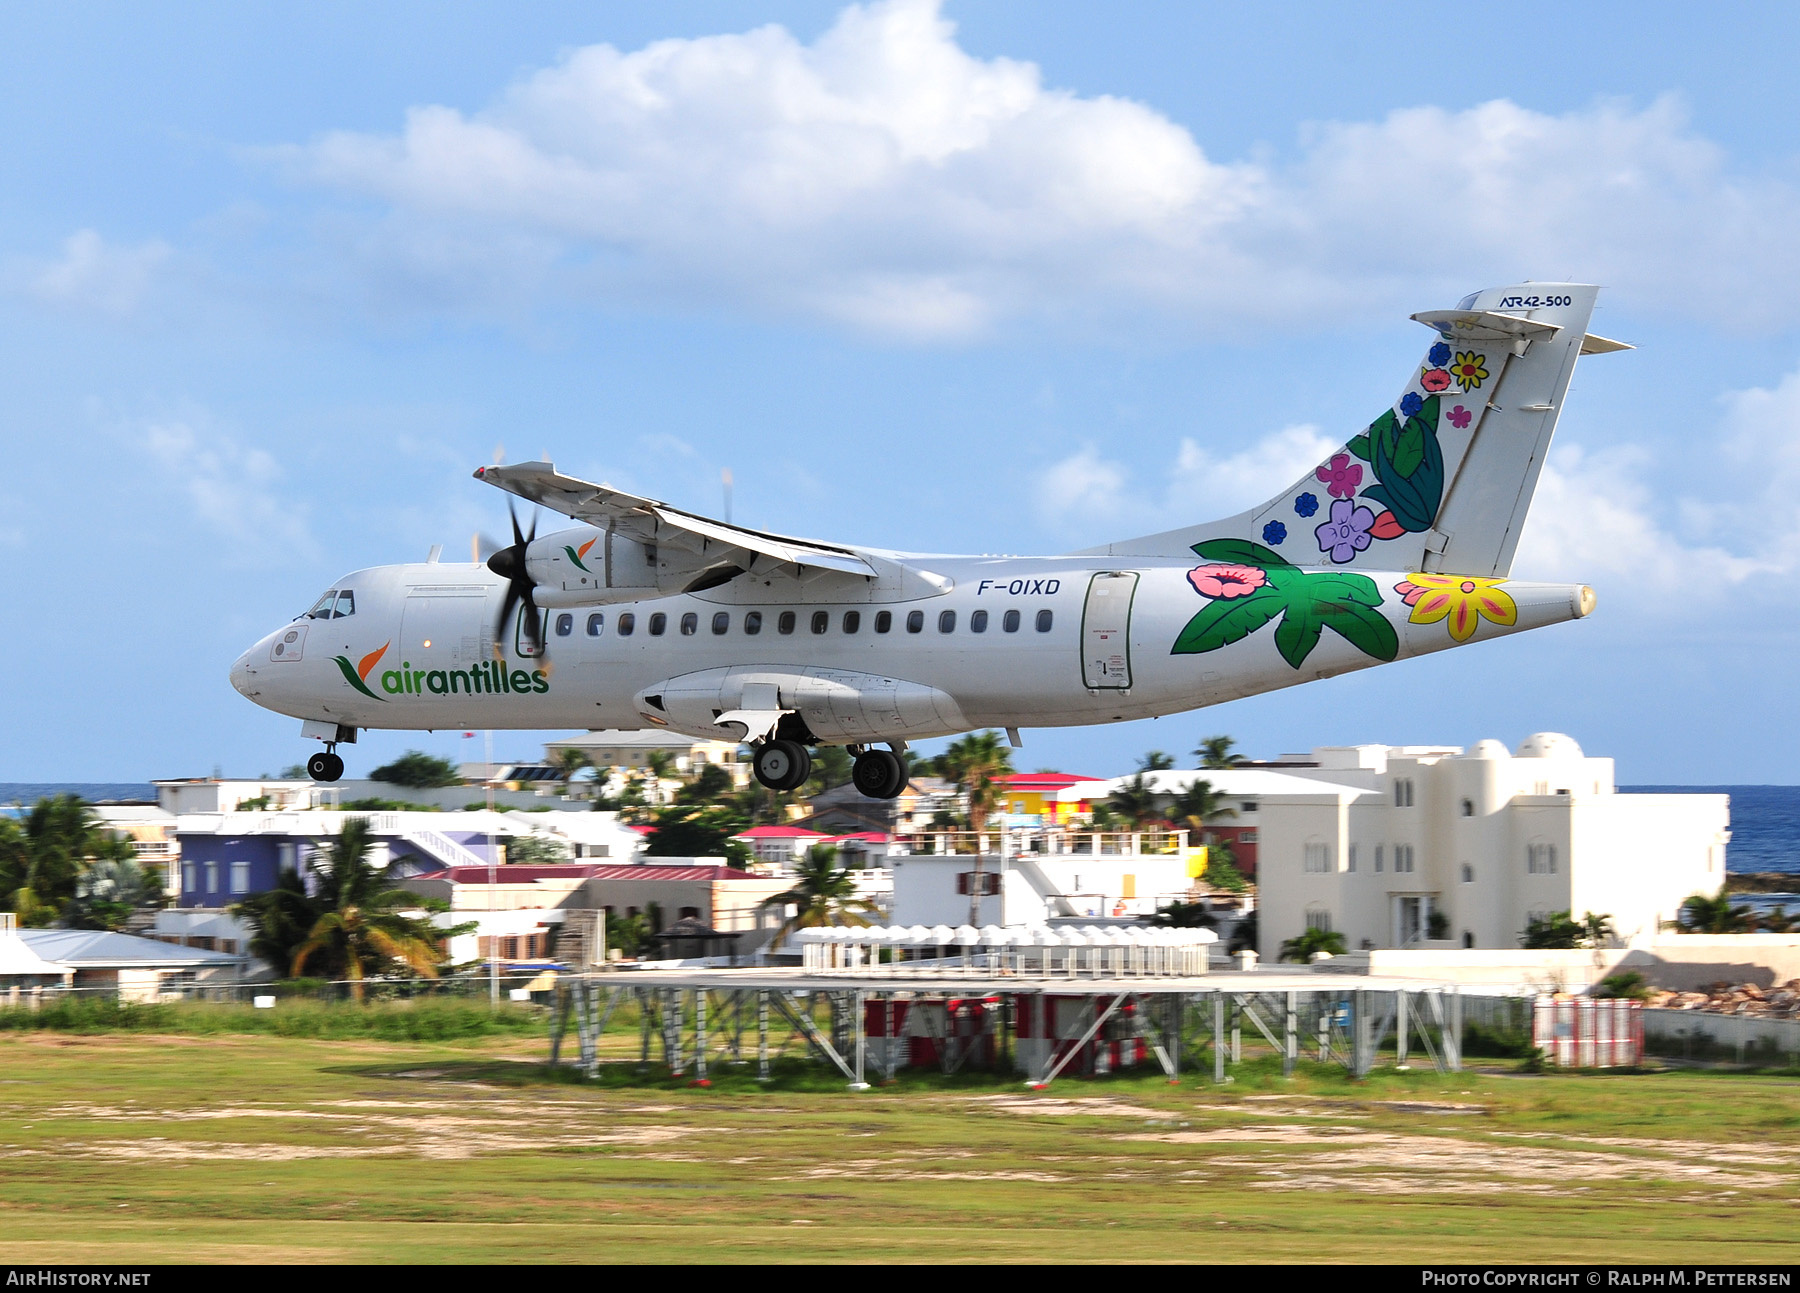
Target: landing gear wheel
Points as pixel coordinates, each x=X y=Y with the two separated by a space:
x=879 y=774
x=324 y=766
x=782 y=765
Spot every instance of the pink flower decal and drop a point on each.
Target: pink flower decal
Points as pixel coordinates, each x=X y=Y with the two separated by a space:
x=1435 y=380
x=1459 y=418
x=1226 y=581
x=1341 y=476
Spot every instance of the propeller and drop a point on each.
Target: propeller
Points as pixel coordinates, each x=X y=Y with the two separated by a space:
x=509 y=564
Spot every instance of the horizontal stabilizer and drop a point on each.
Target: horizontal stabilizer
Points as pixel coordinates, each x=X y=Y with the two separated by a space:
x=650 y=522
x=1482 y=325
x=1592 y=345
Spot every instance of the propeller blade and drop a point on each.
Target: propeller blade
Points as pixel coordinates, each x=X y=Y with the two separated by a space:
x=506 y=609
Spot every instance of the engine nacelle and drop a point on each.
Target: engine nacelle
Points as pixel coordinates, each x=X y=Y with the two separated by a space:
x=589 y=567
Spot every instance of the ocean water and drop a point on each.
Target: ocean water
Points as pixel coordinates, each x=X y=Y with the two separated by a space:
x=1765 y=824
x=29 y=792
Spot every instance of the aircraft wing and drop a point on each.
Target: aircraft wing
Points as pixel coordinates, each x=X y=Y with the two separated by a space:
x=649 y=521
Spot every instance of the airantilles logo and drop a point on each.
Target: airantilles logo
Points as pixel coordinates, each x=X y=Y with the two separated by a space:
x=576 y=554
x=491 y=679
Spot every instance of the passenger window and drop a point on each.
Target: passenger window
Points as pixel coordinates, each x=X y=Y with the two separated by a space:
x=721 y=622
x=627 y=622
x=884 y=620
x=786 y=623
x=753 y=623
x=946 y=621
x=565 y=625
x=915 y=621
x=1044 y=620
x=690 y=625
x=821 y=620
x=322 y=609
x=346 y=605
x=852 y=621
x=596 y=622
x=1010 y=621
x=978 y=621
x=658 y=622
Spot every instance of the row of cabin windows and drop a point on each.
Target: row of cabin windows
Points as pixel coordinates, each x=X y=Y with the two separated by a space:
x=787 y=621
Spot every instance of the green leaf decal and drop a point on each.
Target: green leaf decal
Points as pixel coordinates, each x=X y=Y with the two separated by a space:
x=1364 y=628
x=349 y=672
x=1298 y=633
x=1359 y=446
x=1409 y=449
x=1223 y=622
x=1239 y=552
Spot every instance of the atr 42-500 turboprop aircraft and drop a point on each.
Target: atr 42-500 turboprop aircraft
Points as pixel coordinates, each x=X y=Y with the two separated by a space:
x=1399 y=544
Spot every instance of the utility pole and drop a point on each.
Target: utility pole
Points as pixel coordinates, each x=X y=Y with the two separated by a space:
x=493 y=879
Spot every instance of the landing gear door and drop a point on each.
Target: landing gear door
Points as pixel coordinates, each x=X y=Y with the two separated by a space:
x=1106 y=630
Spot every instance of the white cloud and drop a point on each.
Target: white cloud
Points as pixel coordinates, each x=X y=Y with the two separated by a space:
x=1086 y=496
x=94 y=274
x=230 y=488
x=883 y=177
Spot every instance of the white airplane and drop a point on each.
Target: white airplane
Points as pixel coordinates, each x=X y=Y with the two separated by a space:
x=1399 y=544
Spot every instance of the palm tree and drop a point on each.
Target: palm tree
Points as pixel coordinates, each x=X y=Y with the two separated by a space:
x=1155 y=761
x=823 y=892
x=568 y=762
x=1215 y=752
x=1302 y=948
x=1777 y=921
x=363 y=927
x=42 y=858
x=658 y=765
x=1135 y=802
x=977 y=763
x=1701 y=914
x=1199 y=807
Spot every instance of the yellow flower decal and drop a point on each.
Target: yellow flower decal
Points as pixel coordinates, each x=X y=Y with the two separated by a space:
x=1461 y=599
x=1470 y=369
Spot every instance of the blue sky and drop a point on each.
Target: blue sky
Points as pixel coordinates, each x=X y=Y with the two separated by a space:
x=977 y=277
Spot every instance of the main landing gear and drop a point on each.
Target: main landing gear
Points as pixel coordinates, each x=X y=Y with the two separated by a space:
x=782 y=765
x=325 y=766
x=879 y=774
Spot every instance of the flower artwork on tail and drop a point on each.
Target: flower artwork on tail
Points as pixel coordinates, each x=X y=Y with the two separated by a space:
x=1248 y=587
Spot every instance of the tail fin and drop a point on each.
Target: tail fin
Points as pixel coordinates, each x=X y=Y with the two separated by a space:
x=1442 y=480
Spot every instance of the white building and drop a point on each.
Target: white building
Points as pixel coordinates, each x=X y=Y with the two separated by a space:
x=1031 y=888
x=1438 y=847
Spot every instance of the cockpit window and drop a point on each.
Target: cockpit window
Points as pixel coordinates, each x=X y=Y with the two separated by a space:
x=346 y=605
x=322 y=610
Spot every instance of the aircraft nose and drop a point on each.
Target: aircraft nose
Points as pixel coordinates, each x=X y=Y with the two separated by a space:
x=243 y=677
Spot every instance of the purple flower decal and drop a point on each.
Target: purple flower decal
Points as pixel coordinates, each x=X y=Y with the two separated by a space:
x=1347 y=532
x=1341 y=477
x=1306 y=505
x=1459 y=417
x=1274 y=533
x=1410 y=403
x=1439 y=355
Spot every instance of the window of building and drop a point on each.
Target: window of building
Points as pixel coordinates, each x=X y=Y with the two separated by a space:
x=721 y=623
x=1378 y=860
x=627 y=624
x=1010 y=621
x=915 y=621
x=1468 y=808
x=596 y=622
x=212 y=877
x=689 y=913
x=821 y=620
x=884 y=620
x=978 y=621
x=1247 y=806
x=240 y=877
x=784 y=623
x=1540 y=859
x=1403 y=859
x=187 y=878
x=1350 y=859
x=852 y=621
x=1318 y=918
x=1468 y=939
x=1403 y=792
x=1317 y=860
x=752 y=623
x=1044 y=620
x=690 y=625
x=658 y=623
x=990 y=883
x=1247 y=835
x=1468 y=873
x=946 y=621
x=565 y=624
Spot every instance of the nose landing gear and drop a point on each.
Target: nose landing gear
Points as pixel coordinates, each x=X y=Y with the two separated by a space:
x=325 y=766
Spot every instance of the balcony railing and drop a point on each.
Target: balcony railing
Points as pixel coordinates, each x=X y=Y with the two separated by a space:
x=1043 y=842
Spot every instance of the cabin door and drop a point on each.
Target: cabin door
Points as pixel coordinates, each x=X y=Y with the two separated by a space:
x=1106 y=630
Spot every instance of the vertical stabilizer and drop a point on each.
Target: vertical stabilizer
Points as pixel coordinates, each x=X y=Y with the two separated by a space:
x=1443 y=479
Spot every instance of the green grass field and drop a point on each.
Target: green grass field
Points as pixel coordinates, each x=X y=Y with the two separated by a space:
x=137 y=1146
